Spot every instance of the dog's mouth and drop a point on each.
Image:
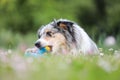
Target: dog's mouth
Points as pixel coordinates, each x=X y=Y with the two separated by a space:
x=48 y=48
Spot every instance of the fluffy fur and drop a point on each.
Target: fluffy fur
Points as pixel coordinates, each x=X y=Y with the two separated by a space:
x=65 y=37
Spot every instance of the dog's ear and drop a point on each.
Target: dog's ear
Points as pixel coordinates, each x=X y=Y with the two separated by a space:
x=68 y=27
x=65 y=25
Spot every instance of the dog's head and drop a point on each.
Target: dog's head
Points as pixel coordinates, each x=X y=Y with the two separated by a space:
x=59 y=35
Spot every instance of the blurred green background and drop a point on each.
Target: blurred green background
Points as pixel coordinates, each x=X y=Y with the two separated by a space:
x=20 y=19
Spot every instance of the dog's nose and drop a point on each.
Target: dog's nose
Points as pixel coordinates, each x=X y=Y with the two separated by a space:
x=38 y=44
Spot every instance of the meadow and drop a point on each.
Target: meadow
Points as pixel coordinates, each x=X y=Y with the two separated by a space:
x=19 y=21
x=15 y=66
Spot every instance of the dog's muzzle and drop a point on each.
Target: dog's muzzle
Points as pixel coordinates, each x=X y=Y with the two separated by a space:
x=38 y=45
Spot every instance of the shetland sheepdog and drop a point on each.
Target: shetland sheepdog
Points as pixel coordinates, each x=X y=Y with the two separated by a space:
x=65 y=37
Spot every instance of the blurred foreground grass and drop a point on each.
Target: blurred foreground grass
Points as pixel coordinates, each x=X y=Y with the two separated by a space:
x=15 y=66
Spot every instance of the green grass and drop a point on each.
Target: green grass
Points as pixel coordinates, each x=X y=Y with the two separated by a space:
x=14 y=66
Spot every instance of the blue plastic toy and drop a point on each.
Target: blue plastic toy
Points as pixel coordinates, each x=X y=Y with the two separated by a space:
x=39 y=52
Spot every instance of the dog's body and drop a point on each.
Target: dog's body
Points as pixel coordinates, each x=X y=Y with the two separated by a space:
x=65 y=37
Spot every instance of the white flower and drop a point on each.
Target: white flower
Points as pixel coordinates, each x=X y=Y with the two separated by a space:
x=110 y=49
x=101 y=54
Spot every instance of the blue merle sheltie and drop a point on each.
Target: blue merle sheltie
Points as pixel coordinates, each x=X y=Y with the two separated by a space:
x=65 y=37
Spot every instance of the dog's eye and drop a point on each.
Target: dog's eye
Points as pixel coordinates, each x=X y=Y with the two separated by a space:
x=49 y=34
